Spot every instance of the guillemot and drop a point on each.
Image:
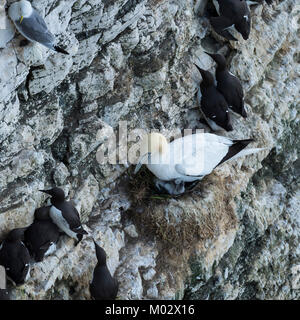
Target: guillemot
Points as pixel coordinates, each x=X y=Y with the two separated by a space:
x=14 y=256
x=229 y=85
x=42 y=235
x=232 y=13
x=64 y=214
x=103 y=286
x=212 y=103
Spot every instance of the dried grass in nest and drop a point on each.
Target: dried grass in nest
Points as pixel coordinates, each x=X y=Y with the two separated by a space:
x=142 y=187
x=153 y=221
x=193 y=226
x=177 y=234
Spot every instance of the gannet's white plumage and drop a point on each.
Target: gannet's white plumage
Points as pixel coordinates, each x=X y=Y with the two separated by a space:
x=189 y=158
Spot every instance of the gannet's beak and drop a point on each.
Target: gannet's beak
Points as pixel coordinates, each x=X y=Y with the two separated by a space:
x=140 y=163
x=21 y=19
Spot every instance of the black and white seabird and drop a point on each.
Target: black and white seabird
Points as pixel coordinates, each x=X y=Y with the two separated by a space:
x=212 y=104
x=4 y=293
x=64 y=214
x=229 y=85
x=232 y=13
x=189 y=158
x=103 y=286
x=42 y=235
x=15 y=257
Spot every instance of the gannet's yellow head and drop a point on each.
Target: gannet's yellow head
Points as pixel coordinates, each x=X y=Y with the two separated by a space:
x=153 y=143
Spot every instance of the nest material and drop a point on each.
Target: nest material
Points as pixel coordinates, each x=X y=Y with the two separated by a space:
x=178 y=221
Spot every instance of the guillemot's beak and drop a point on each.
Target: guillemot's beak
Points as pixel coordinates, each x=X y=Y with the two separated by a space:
x=244 y=114
x=21 y=19
x=229 y=127
x=202 y=72
x=140 y=163
x=199 y=69
x=211 y=55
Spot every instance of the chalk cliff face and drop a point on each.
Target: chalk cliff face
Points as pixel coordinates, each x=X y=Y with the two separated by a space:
x=236 y=236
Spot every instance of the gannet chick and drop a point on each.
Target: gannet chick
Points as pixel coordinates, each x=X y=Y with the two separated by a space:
x=189 y=158
x=31 y=25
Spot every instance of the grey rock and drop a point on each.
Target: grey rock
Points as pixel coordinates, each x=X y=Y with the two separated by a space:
x=234 y=237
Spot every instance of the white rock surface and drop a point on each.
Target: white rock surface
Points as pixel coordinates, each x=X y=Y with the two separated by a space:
x=7 y=31
x=237 y=236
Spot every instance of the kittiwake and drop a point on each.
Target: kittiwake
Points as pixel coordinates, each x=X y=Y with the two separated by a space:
x=32 y=26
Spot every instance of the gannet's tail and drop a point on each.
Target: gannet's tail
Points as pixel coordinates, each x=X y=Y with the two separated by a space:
x=247 y=152
x=237 y=149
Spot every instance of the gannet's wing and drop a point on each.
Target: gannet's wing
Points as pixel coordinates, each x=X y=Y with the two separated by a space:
x=201 y=153
x=215 y=151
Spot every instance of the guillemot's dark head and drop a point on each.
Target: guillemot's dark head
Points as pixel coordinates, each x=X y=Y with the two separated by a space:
x=223 y=119
x=207 y=77
x=57 y=194
x=243 y=26
x=101 y=254
x=227 y=124
x=16 y=234
x=219 y=59
x=229 y=127
x=42 y=213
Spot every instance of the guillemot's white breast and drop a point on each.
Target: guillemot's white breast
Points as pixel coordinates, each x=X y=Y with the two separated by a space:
x=57 y=217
